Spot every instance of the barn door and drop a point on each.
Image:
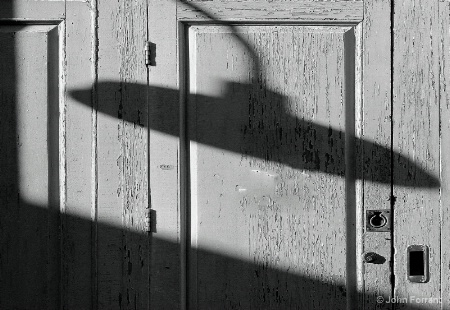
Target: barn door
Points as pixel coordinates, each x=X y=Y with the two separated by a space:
x=270 y=139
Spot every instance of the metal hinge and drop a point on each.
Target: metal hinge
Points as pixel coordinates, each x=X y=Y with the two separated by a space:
x=147 y=53
x=150 y=221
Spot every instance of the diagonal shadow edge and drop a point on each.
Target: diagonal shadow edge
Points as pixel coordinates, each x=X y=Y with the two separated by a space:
x=311 y=157
x=38 y=212
x=260 y=284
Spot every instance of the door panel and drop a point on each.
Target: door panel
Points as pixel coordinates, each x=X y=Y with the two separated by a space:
x=264 y=146
x=29 y=166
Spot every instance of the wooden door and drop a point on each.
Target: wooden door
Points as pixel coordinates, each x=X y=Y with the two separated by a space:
x=262 y=131
x=274 y=129
x=74 y=207
x=267 y=137
x=37 y=65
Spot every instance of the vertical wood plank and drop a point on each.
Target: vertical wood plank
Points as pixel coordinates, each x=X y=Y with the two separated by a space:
x=416 y=136
x=122 y=156
x=77 y=261
x=164 y=112
x=444 y=54
x=376 y=128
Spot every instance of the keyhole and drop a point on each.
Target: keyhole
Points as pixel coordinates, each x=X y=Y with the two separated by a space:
x=377 y=220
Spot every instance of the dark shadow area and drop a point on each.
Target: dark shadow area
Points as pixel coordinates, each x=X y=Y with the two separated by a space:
x=29 y=240
x=236 y=284
x=254 y=116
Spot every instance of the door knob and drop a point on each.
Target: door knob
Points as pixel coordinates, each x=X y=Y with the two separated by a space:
x=373 y=258
x=370 y=257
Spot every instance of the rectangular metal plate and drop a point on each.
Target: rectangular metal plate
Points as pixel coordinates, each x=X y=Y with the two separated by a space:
x=418 y=263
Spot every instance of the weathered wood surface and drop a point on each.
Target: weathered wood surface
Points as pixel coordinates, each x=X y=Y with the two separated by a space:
x=376 y=127
x=62 y=222
x=368 y=128
x=122 y=158
x=77 y=135
x=164 y=153
x=416 y=135
x=444 y=75
x=250 y=211
x=272 y=11
x=29 y=10
x=103 y=258
x=29 y=189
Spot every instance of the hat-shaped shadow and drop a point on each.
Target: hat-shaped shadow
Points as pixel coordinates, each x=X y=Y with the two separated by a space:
x=293 y=141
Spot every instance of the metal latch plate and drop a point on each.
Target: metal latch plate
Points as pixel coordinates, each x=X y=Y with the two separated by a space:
x=378 y=220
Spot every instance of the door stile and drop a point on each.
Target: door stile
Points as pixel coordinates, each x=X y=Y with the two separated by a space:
x=187 y=252
x=444 y=47
x=416 y=114
x=358 y=176
x=164 y=160
x=350 y=173
x=376 y=162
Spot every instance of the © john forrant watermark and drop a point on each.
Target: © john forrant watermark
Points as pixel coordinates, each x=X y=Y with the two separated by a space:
x=409 y=300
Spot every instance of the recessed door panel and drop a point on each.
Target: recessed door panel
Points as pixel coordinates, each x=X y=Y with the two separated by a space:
x=268 y=157
x=29 y=166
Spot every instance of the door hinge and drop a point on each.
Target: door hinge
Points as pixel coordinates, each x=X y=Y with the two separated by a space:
x=150 y=221
x=147 y=53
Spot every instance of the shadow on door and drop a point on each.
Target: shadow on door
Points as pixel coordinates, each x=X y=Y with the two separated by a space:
x=30 y=253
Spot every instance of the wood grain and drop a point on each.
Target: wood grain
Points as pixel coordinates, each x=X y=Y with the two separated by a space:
x=122 y=161
x=444 y=75
x=29 y=180
x=78 y=263
x=29 y=10
x=416 y=136
x=271 y=11
x=247 y=209
x=167 y=267
x=376 y=127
